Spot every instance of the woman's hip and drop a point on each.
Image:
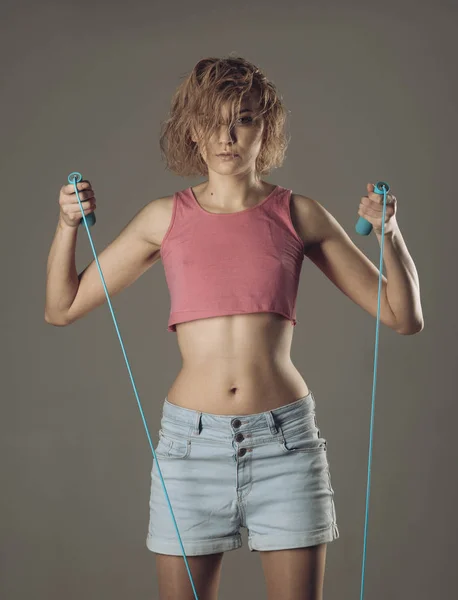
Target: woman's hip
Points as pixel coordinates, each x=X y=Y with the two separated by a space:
x=189 y=435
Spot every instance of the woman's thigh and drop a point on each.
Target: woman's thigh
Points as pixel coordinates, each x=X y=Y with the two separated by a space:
x=173 y=579
x=295 y=574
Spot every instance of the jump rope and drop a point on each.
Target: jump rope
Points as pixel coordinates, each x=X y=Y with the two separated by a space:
x=363 y=227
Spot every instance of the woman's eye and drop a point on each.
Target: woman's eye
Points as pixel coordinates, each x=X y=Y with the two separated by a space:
x=247 y=120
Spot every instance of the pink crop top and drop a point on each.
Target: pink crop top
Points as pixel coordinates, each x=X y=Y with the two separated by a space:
x=231 y=263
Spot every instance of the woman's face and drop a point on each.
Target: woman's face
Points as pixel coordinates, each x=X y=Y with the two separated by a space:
x=243 y=142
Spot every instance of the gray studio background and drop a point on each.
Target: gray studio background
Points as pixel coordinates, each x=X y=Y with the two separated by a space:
x=372 y=91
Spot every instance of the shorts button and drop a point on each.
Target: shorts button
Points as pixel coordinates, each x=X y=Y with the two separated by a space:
x=236 y=423
x=242 y=452
x=239 y=437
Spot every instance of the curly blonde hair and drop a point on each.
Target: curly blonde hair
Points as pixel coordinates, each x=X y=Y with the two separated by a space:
x=211 y=84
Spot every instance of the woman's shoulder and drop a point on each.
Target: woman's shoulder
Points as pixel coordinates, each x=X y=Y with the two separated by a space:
x=310 y=218
x=157 y=216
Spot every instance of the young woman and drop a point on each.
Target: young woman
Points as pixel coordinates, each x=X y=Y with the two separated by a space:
x=239 y=444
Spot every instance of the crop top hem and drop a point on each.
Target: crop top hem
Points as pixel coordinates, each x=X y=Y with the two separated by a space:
x=183 y=316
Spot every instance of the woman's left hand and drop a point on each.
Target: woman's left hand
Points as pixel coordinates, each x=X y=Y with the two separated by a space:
x=371 y=208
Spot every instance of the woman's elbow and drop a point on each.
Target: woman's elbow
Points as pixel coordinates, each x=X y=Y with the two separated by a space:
x=412 y=329
x=57 y=321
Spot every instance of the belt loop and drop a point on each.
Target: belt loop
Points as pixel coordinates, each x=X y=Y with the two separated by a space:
x=197 y=424
x=271 y=422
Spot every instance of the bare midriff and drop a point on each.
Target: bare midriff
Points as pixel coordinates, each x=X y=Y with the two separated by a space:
x=236 y=365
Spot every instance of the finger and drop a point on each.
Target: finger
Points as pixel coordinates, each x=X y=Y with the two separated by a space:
x=72 y=199
x=377 y=200
x=71 y=209
x=70 y=188
x=88 y=210
x=380 y=197
x=376 y=197
x=375 y=214
x=370 y=203
x=77 y=217
x=86 y=195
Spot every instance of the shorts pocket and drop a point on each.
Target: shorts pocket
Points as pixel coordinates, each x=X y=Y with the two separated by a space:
x=302 y=441
x=172 y=447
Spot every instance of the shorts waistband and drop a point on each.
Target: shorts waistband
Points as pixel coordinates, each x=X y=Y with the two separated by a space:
x=272 y=419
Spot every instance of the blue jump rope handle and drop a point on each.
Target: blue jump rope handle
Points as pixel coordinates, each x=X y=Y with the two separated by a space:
x=76 y=177
x=363 y=227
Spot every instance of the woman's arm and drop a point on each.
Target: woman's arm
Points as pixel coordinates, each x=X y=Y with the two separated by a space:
x=333 y=252
x=403 y=285
x=62 y=278
x=70 y=296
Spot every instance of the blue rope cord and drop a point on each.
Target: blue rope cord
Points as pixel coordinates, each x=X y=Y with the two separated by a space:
x=363 y=227
x=380 y=188
x=75 y=178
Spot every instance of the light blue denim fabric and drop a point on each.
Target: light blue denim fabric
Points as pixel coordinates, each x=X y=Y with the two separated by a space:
x=267 y=472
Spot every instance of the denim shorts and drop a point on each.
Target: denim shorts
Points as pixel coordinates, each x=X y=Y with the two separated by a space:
x=267 y=472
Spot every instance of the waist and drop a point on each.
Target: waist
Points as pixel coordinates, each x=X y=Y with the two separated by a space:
x=223 y=388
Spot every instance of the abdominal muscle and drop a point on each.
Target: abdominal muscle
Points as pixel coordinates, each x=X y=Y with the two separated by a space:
x=236 y=365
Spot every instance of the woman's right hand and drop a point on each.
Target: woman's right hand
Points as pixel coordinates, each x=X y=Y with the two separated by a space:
x=70 y=212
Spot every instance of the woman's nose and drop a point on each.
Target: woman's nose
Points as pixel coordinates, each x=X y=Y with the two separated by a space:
x=226 y=134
